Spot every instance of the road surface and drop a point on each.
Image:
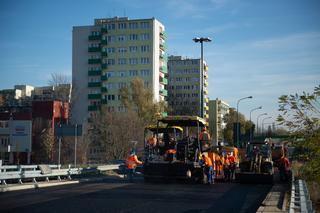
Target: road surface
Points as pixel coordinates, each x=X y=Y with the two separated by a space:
x=119 y=196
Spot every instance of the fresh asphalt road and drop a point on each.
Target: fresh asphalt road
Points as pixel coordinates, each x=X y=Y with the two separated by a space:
x=119 y=196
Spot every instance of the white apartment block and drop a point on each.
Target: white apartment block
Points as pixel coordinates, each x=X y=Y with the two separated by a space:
x=108 y=55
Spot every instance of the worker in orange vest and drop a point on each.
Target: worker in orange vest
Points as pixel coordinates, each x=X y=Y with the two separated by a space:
x=204 y=138
x=218 y=164
x=226 y=169
x=232 y=165
x=284 y=168
x=208 y=168
x=132 y=162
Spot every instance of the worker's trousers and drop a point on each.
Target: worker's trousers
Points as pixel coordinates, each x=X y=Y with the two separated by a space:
x=210 y=175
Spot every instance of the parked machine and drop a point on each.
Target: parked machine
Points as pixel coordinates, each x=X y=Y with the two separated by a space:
x=258 y=164
x=177 y=152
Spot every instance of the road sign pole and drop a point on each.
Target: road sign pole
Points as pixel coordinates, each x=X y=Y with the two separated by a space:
x=75 y=145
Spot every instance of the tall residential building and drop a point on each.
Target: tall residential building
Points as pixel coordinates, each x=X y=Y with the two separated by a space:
x=108 y=55
x=217 y=111
x=184 y=86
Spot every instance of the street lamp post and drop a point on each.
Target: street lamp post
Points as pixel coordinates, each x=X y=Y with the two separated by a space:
x=201 y=40
x=238 y=117
x=263 y=123
x=258 y=121
x=260 y=107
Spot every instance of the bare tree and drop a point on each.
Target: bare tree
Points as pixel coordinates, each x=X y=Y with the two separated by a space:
x=62 y=86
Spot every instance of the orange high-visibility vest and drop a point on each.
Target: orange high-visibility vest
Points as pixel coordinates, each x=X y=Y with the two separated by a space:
x=207 y=161
x=132 y=162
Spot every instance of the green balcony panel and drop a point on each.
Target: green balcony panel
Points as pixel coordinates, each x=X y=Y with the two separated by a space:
x=104 y=66
x=164 y=114
x=94 y=96
x=94 y=61
x=94 y=72
x=93 y=108
x=104 y=101
x=104 y=89
x=104 y=54
x=104 y=30
x=94 y=84
x=164 y=92
x=163 y=34
x=163 y=46
x=163 y=69
x=93 y=49
x=94 y=37
x=104 y=78
x=164 y=81
x=104 y=42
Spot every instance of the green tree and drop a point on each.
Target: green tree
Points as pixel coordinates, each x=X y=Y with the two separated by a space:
x=141 y=100
x=300 y=113
x=230 y=119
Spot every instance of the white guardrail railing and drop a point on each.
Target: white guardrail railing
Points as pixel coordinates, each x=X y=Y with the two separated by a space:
x=300 y=198
x=34 y=172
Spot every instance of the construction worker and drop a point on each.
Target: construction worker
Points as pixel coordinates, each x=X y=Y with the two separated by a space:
x=284 y=168
x=208 y=168
x=232 y=165
x=152 y=141
x=226 y=169
x=204 y=138
x=132 y=162
x=218 y=164
x=169 y=154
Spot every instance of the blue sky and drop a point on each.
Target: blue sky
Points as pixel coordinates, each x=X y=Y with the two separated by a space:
x=260 y=48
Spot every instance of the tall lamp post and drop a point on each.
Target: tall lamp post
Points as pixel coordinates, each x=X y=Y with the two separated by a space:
x=257 y=108
x=263 y=123
x=238 y=117
x=258 y=121
x=201 y=40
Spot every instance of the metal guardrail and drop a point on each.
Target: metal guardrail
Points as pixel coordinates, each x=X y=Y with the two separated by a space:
x=300 y=198
x=21 y=172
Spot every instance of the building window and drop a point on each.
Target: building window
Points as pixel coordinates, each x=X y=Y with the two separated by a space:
x=133 y=37
x=111 y=61
x=133 y=73
x=145 y=61
x=111 y=38
x=133 y=25
x=144 y=25
x=145 y=36
x=144 y=72
x=122 y=61
x=122 y=49
x=133 y=49
x=122 y=74
x=111 y=49
x=121 y=85
x=110 y=26
x=121 y=38
x=145 y=48
x=133 y=61
x=110 y=74
x=122 y=26
x=146 y=84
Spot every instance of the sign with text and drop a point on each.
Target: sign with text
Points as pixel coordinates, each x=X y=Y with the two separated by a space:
x=20 y=135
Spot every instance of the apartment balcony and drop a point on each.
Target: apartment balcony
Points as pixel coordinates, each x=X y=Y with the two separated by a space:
x=94 y=96
x=206 y=68
x=206 y=83
x=94 y=61
x=104 y=101
x=105 y=54
x=104 y=78
x=94 y=37
x=163 y=46
x=104 y=66
x=94 y=84
x=164 y=92
x=205 y=75
x=164 y=57
x=94 y=49
x=206 y=108
x=104 y=30
x=163 y=35
x=206 y=116
x=205 y=91
x=94 y=72
x=104 y=42
x=104 y=89
x=206 y=100
x=93 y=108
x=163 y=81
x=164 y=69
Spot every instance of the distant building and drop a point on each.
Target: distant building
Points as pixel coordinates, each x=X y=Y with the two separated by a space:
x=19 y=96
x=217 y=111
x=60 y=92
x=108 y=55
x=184 y=86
